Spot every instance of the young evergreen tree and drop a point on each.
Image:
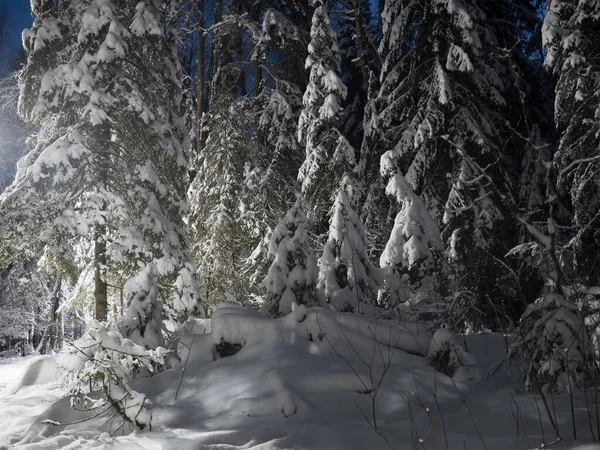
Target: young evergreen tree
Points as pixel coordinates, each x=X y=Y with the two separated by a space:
x=102 y=82
x=347 y=278
x=292 y=277
x=414 y=249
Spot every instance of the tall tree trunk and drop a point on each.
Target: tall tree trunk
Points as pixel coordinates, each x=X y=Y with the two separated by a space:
x=200 y=67
x=100 y=282
x=362 y=43
x=209 y=95
x=100 y=287
x=256 y=70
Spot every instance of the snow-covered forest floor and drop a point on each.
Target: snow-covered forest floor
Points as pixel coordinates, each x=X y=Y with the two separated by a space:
x=314 y=379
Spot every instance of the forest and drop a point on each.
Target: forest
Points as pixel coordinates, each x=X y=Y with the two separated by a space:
x=392 y=182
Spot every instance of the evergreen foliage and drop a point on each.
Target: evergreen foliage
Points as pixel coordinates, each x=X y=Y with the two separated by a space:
x=571 y=32
x=328 y=154
x=347 y=278
x=292 y=277
x=109 y=164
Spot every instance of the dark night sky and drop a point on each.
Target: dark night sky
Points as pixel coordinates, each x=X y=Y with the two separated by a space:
x=19 y=17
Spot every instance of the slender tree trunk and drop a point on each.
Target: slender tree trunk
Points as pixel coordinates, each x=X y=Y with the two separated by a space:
x=256 y=70
x=100 y=282
x=51 y=332
x=208 y=94
x=200 y=67
x=218 y=11
x=100 y=287
x=362 y=43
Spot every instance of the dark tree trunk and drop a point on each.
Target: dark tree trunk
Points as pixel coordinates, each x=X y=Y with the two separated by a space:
x=256 y=70
x=52 y=330
x=100 y=282
x=100 y=287
x=200 y=67
x=362 y=43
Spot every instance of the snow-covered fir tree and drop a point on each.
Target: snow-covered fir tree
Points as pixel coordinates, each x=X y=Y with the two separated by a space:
x=215 y=192
x=571 y=32
x=377 y=211
x=328 y=154
x=251 y=157
x=414 y=250
x=347 y=278
x=443 y=89
x=102 y=82
x=271 y=169
x=292 y=277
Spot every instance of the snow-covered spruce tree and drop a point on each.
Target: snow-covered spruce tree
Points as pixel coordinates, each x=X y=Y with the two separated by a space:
x=552 y=341
x=377 y=212
x=271 y=169
x=441 y=99
x=102 y=83
x=215 y=193
x=251 y=126
x=414 y=250
x=328 y=154
x=347 y=278
x=292 y=277
x=571 y=32
x=552 y=344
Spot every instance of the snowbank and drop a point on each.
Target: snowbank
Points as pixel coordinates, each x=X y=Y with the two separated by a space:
x=314 y=379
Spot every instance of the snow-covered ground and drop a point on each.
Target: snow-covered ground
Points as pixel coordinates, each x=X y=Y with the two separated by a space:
x=310 y=380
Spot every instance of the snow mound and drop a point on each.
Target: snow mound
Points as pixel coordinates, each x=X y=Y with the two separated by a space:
x=39 y=371
x=314 y=379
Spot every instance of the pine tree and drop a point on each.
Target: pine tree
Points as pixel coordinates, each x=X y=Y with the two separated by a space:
x=292 y=277
x=571 y=32
x=328 y=154
x=347 y=278
x=103 y=83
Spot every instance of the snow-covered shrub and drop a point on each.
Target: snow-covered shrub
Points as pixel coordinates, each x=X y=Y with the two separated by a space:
x=553 y=346
x=445 y=354
x=104 y=361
